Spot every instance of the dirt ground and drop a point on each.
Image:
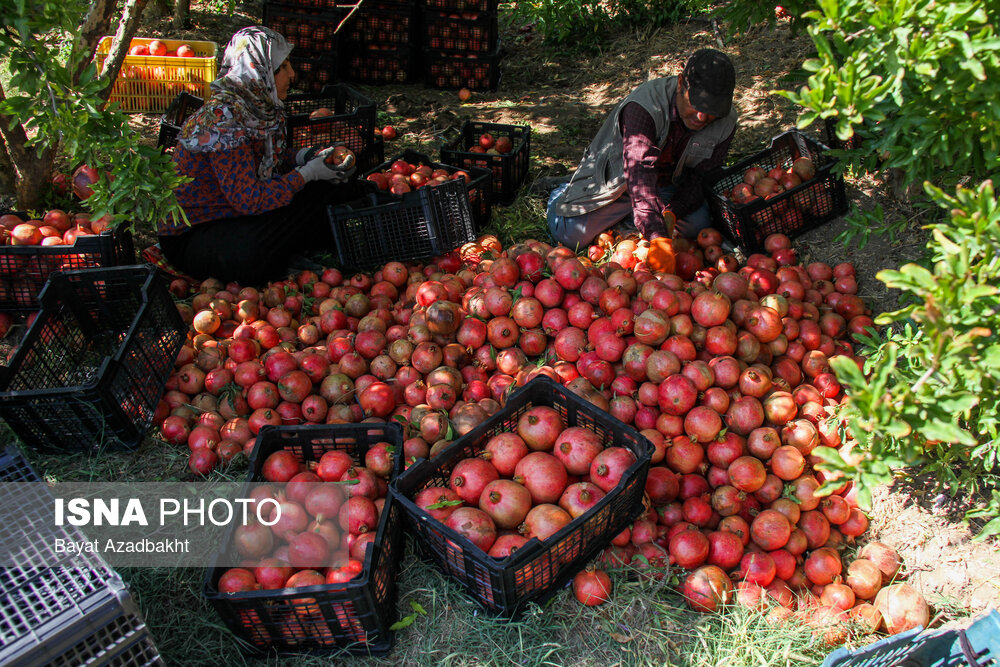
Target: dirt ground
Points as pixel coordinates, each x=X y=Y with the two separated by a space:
x=565 y=97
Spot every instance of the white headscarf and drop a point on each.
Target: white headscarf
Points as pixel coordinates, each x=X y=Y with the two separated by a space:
x=244 y=105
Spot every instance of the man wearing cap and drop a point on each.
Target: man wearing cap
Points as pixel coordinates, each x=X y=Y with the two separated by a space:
x=649 y=158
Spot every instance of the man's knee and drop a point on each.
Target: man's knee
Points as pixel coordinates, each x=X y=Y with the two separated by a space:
x=696 y=221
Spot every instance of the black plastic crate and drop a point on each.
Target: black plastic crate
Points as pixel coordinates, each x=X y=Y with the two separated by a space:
x=313 y=30
x=355 y=616
x=464 y=5
x=92 y=366
x=804 y=207
x=537 y=570
x=382 y=228
x=352 y=122
x=314 y=71
x=978 y=644
x=458 y=69
x=58 y=608
x=510 y=170
x=173 y=120
x=24 y=269
x=392 y=27
x=473 y=32
x=374 y=64
x=480 y=187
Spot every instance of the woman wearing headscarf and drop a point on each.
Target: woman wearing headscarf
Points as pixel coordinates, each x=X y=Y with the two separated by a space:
x=248 y=212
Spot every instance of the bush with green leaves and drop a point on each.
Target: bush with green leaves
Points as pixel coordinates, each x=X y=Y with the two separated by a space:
x=585 y=23
x=929 y=400
x=52 y=107
x=913 y=77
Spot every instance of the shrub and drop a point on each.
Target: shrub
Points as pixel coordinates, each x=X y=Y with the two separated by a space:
x=585 y=23
x=931 y=398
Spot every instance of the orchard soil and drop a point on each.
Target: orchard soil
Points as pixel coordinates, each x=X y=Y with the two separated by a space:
x=564 y=97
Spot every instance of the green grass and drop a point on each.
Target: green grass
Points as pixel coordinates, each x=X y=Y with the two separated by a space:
x=646 y=623
x=521 y=220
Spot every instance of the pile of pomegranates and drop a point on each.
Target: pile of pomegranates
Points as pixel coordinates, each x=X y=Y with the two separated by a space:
x=724 y=367
x=402 y=176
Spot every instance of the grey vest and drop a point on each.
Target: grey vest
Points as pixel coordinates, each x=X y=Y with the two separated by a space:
x=600 y=178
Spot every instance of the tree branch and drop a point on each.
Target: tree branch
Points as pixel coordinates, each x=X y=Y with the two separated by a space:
x=119 y=45
x=353 y=8
x=95 y=26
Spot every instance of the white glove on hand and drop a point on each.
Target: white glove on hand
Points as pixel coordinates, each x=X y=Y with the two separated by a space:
x=309 y=152
x=317 y=169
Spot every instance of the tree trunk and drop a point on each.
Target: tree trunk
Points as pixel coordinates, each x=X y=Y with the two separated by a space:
x=119 y=46
x=182 y=8
x=34 y=166
x=94 y=27
x=34 y=181
x=7 y=177
x=33 y=171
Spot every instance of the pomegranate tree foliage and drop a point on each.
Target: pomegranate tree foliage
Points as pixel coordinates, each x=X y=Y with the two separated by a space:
x=52 y=105
x=931 y=398
x=584 y=23
x=914 y=79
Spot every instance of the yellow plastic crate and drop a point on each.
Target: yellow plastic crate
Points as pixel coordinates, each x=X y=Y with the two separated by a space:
x=149 y=83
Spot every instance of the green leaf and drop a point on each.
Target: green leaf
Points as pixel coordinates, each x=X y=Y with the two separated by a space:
x=946 y=432
x=847 y=371
x=417 y=608
x=441 y=504
x=404 y=622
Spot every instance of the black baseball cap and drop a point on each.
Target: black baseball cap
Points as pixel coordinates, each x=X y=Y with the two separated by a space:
x=710 y=78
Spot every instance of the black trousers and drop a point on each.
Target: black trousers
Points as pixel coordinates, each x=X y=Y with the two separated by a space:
x=254 y=249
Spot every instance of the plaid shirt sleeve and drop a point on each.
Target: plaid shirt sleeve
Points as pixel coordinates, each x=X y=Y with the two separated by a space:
x=640 y=155
x=690 y=188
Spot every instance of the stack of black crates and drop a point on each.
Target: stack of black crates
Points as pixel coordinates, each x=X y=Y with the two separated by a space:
x=461 y=48
x=311 y=27
x=448 y=43
x=377 y=43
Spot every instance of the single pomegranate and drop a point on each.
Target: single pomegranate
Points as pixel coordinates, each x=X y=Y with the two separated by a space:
x=902 y=608
x=707 y=588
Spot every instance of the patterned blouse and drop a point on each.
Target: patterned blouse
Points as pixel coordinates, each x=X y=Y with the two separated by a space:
x=225 y=185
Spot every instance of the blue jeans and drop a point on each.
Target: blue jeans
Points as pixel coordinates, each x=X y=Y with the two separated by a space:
x=577 y=231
